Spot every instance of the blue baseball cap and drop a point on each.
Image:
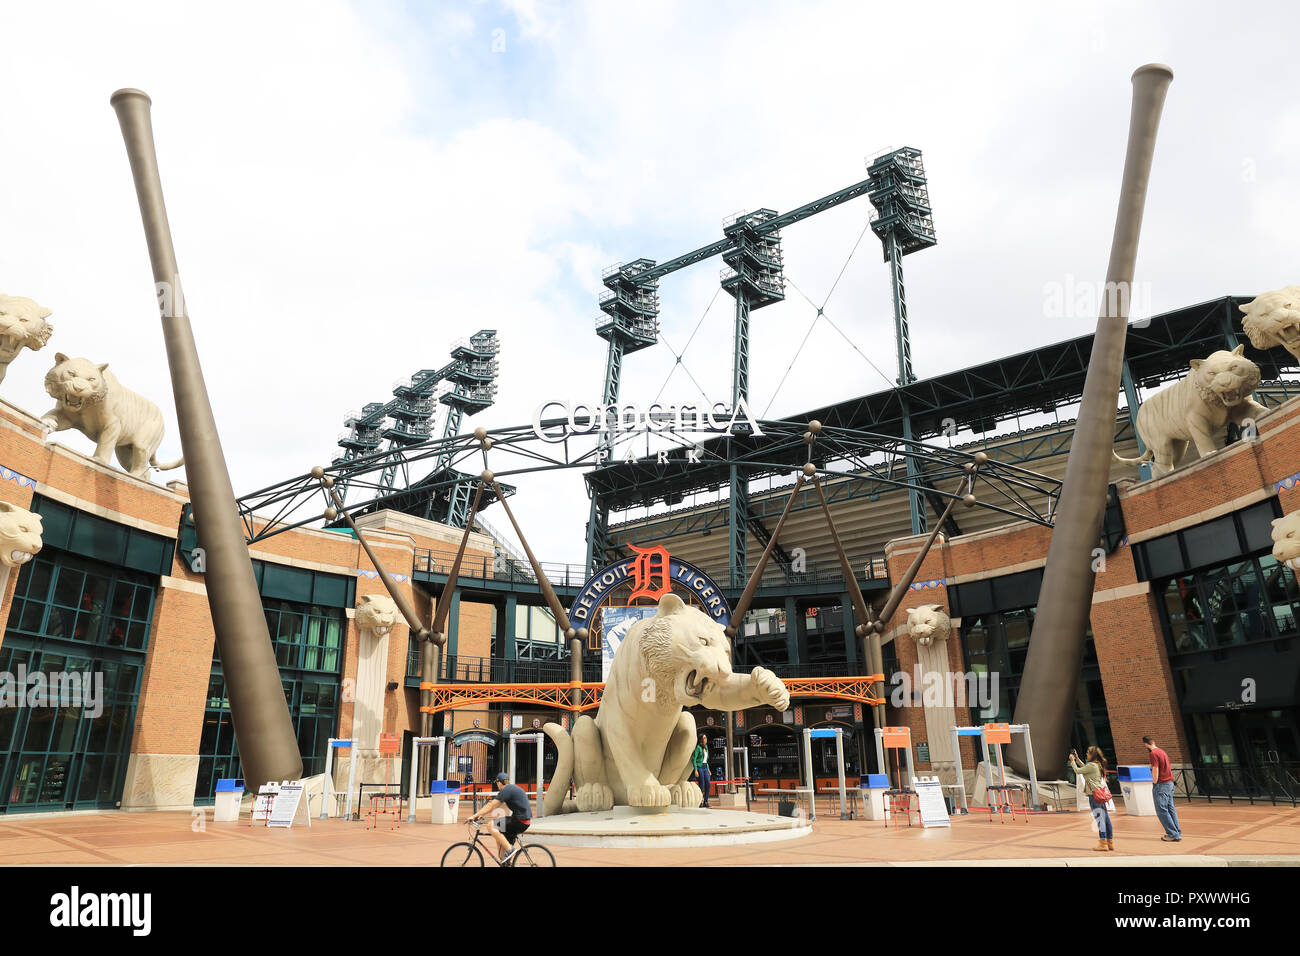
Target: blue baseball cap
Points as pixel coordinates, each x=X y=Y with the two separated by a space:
x=503 y=777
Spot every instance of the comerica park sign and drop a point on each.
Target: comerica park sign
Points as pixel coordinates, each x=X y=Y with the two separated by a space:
x=619 y=419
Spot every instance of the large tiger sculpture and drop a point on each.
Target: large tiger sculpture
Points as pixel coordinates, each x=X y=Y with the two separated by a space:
x=90 y=399
x=1274 y=319
x=637 y=751
x=22 y=326
x=1218 y=390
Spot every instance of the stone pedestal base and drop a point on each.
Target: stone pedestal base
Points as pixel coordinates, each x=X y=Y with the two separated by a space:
x=629 y=827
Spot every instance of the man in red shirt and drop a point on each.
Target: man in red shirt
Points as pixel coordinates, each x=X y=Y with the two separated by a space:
x=1163 y=791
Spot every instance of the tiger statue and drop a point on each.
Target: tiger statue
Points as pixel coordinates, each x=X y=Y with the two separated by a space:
x=90 y=399
x=22 y=325
x=1218 y=390
x=1273 y=318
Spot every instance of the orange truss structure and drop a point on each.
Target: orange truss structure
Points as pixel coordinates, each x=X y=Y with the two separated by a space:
x=450 y=696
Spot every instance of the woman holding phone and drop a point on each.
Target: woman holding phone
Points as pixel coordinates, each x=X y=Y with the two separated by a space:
x=1094 y=781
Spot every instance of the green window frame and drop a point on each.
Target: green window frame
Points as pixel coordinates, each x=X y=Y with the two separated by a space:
x=73 y=615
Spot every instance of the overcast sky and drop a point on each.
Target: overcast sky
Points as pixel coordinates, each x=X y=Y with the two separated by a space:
x=353 y=186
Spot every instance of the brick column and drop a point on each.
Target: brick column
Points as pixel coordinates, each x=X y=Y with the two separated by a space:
x=163 y=767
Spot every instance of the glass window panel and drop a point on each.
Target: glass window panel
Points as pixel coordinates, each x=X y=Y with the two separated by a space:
x=109 y=790
x=97 y=742
x=1212 y=543
x=36 y=584
x=67 y=590
x=27 y=779
x=1163 y=556
x=64 y=735
x=30 y=616
x=1257 y=525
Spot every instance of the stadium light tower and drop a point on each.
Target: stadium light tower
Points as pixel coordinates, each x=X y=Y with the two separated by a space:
x=904 y=224
x=629 y=322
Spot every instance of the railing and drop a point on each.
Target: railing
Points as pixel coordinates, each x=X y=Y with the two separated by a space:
x=490 y=569
x=1270 y=783
x=512 y=568
x=457 y=669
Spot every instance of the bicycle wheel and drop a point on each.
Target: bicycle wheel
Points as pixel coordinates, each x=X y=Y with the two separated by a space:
x=534 y=854
x=462 y=854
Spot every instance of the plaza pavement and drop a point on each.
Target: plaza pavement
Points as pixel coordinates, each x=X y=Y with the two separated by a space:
x=1215 y=835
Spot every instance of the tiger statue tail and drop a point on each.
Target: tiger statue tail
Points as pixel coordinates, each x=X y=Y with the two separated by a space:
x=559 y=787
x=1145 y=456
x=166 y=465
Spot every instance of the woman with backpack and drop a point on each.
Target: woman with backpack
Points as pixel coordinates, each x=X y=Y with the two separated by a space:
x=1094 y=782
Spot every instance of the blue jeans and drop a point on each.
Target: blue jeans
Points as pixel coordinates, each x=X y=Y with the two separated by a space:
x=704 y=783
x=1168 y=816
x=1104 y=829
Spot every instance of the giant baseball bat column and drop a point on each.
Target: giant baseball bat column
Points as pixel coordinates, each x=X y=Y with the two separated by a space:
x=1049 y=685
x=264 y=730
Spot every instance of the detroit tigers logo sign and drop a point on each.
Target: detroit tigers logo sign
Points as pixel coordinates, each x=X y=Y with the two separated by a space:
x=649 y=573
x=629 y=589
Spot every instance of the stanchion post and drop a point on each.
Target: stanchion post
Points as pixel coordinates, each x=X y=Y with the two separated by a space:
x=352 y=776
x=1029 y=753
x=812 y=787
x=839 y=759
x=327 y=789
x=541 y=741
x=957 y=767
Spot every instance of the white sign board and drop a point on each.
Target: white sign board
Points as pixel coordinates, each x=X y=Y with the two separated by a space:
x=285 y=807
x=934 y=811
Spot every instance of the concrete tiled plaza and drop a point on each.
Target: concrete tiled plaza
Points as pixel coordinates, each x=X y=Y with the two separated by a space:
x=1215 y=835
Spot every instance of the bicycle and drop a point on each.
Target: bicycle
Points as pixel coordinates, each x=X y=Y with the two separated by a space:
x=470 y=854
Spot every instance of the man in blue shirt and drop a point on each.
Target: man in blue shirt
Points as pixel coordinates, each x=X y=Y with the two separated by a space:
x=512 y=798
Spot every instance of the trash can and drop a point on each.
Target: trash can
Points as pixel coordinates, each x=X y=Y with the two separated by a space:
x=230 y=792
x=446 y=800
x=873 y=788
x=1137 y=786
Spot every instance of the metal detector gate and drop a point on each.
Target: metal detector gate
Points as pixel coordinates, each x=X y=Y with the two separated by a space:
x=826 y=733
x=540 y=739
x=327 y=794
x=896 y=738
x=439 y=767
x=997 y=735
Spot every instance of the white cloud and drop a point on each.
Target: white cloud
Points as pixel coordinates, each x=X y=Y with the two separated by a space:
x=351 y=190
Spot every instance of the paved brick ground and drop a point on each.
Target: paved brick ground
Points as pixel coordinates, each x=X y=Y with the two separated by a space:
x=1214 y=835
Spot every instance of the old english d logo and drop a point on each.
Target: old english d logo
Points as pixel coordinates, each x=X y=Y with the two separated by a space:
x=649 y=573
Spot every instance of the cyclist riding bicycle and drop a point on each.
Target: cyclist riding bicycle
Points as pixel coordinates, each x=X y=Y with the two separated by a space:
x=512 y=798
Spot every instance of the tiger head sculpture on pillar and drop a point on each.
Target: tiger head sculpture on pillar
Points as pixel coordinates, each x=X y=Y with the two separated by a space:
x=1273 y=319
x=22 y=326
x=376 y=617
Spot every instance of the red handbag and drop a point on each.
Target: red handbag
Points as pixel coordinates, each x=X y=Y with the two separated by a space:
x=1102 y=794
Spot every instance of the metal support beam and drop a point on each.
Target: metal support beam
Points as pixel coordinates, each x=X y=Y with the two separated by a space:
x=1134 y=404
x=916 y=500
x=737 y=527
x=902 y=337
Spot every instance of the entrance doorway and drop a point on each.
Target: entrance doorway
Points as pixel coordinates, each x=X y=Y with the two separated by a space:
x=1270 y=747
